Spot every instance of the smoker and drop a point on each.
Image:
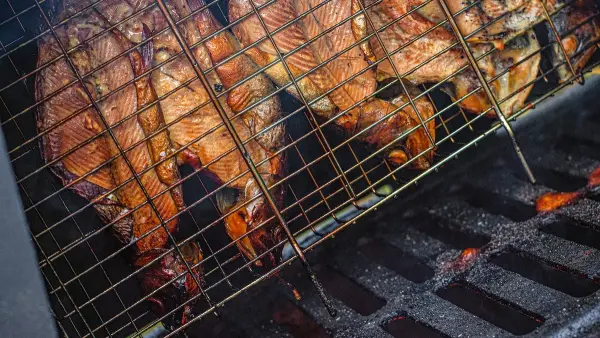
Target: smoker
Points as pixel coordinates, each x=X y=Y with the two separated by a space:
x=369 y=249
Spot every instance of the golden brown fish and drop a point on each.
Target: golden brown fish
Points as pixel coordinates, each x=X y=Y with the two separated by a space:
x=246 y=93
x=244 y=218
x=117 y=11
x=345 y=77
x=208 y=142
x=68 y=135
x=116 y=109
x=416 y=60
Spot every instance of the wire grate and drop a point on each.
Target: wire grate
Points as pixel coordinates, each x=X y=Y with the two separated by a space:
x=89 y=275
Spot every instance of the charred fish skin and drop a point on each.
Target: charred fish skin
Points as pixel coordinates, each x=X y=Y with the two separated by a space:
x=418 y=60
x=507 y=20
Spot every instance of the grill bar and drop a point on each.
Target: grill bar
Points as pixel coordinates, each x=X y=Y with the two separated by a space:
x=501 y=283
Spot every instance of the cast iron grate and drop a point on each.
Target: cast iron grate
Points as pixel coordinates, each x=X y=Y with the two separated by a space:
x=538 y=277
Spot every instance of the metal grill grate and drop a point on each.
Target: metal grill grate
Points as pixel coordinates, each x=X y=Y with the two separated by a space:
x=90 y=281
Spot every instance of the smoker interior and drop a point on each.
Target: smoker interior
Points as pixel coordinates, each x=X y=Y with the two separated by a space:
x=389 y=271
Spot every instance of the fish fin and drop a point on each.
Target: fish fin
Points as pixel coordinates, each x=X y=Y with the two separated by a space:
x=147 y=48
x=226 y=199
x=448 y=89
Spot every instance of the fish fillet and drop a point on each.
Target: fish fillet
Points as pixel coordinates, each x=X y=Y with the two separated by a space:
x=332 y=66
x=194 y=123
x=117 y=109
x=418 y=61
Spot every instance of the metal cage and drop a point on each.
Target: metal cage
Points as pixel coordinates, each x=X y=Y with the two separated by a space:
x=331 y=180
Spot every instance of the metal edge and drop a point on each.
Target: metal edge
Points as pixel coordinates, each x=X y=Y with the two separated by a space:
x=24 y=307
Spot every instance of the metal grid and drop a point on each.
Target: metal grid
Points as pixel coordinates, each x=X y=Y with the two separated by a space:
x=401 y=254
x=84 y=268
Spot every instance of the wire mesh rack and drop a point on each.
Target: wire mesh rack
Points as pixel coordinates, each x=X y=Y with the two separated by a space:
x=90 y=278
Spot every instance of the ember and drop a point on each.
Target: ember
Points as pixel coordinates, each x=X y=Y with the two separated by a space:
x=464 y=260
x=469 y=253
x=554 y=200
x=594 y=178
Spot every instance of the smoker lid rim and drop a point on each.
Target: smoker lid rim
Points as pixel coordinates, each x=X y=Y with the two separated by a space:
x=24 y=306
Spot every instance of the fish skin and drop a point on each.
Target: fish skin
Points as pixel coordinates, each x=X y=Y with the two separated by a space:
x=485 y=12
x=115 y=11
x=507 y=20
